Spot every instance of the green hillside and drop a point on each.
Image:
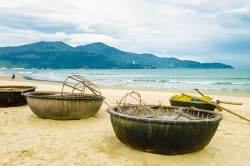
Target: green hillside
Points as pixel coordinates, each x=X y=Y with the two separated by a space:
x=96 y=55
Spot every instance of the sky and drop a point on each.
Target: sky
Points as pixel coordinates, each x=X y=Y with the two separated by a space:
x=200 y=30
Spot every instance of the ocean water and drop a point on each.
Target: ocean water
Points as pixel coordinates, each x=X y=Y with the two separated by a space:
x=227 y=81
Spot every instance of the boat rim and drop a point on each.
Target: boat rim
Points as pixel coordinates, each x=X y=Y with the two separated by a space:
x=16 y=88
x=51 y=95
x=217 y=118
x=195 y=102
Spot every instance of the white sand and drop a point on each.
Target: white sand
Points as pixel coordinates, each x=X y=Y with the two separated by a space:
x=26 y=139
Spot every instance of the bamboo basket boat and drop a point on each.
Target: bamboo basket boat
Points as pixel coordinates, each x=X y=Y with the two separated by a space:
x=65 y=105
x=163 y=129
x=13 y=95
x=187 y=101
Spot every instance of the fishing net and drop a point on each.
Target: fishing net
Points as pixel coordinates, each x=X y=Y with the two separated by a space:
x=132 y=104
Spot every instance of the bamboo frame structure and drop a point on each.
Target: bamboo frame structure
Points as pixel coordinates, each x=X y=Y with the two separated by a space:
x=81 y=85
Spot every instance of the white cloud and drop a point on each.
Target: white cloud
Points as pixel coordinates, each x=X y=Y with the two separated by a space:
x=80 y=39
x=163 y=27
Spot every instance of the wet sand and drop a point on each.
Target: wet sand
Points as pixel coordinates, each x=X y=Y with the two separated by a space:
x=26 y=139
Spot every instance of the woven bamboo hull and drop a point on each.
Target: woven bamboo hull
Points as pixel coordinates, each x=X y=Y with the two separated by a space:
x=163 y=136
x=13 y=95
x=49 y=106
x=199 y=105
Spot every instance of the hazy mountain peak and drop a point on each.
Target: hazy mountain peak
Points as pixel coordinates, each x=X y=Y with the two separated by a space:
x=97 y=45
x=50 y=44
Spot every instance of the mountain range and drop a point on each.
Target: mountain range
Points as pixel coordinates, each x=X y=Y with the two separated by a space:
x=57 y=55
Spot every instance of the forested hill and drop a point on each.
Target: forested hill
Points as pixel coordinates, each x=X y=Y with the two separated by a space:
x=58 y=55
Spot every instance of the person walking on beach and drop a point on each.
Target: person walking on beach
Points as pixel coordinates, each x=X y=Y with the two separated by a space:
x=13 y=76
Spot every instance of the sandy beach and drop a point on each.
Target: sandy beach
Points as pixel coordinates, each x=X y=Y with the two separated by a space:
x=26 y=139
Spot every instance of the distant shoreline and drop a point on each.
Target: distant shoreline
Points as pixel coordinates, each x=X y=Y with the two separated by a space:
x=131 y=88
x=21 y=68
x=211 y=81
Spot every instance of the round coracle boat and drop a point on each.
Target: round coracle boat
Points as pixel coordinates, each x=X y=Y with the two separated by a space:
x=53 y=105
x=67 y=105
x=13 y=95
x=164 y=129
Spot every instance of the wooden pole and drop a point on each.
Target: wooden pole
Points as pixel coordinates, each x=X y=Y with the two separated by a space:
x=228 y=102
x=240 y=116
x=217 y=106
x=220 y=101
x=199 y=92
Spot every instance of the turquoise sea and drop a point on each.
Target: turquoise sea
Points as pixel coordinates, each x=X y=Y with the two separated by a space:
x=227 y=81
